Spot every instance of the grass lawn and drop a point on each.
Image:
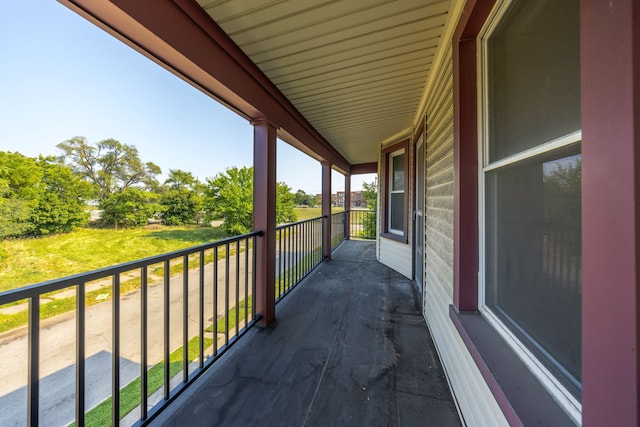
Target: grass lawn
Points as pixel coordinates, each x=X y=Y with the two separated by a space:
x=130 y=394
x=28 y=261
x=308 y=213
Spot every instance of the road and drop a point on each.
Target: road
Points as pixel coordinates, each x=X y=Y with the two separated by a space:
x=58 y=345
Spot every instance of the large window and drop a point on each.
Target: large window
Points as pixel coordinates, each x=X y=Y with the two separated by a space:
x=396 y=189
x=531 y=180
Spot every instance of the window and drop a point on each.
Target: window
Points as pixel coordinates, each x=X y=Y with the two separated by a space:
x=395 y=203
x=530 y=246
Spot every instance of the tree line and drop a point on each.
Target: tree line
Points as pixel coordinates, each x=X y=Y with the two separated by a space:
x=48 y=194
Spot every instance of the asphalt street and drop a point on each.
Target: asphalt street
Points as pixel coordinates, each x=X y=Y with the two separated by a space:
x=58 y=346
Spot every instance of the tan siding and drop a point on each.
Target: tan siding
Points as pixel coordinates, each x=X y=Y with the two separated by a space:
x=476 y=402
x=474 y=398
x=396 y=255
x=439 y=183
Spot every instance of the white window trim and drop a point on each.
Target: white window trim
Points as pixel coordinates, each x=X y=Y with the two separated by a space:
x=568 y=402
x=390 y=191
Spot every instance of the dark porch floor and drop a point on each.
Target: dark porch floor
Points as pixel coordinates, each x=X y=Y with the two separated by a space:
x=350 y=348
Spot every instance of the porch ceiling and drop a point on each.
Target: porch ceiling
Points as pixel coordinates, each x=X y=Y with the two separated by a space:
x=355 y=69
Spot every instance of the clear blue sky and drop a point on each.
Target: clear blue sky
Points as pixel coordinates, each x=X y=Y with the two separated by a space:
x=61 y=77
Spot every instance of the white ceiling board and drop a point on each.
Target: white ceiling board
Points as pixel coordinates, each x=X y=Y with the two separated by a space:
x=355 y=69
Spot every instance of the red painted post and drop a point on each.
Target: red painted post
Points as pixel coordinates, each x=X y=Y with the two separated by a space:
x=347 y=206
x=610 y=87
x=264 y=216
x=326 y=209
x=465 y=154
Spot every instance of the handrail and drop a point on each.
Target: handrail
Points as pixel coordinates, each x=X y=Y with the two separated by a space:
x=230 y=286
x=299 y=250
x=18 y=294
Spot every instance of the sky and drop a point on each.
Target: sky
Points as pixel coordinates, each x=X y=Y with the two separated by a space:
x=61 y=76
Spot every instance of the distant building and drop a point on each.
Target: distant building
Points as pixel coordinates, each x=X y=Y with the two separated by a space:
x=338 y=199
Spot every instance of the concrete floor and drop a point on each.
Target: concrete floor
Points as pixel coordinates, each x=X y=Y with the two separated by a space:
x=350 y=348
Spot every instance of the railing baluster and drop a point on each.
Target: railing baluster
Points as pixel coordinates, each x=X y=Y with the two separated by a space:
x=237 y=287
x=167 y=328
x=253 y=277
x=80 y=356
x=33 y=396
x=292 y=245
x=226 y=295
x=308 y=245
x=143 y=342
x=246 y=283
x=314 y=241
x=324 y=220
x=290 y=259
x=215 y=300
x=201 y=310
x=115 y=354
x=185 y=318
x=296 y=261
x=280 y=264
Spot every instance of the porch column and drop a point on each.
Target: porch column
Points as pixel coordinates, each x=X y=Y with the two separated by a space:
x=264 y=216
x=465 y=167
x=610 y=76
x=347 y=205
x=326 y=208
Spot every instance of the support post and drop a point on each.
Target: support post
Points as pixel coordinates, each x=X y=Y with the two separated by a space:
x=326 y=209
x=610 y=75
x=465 y=155
x=264 y=216
x=347 y=206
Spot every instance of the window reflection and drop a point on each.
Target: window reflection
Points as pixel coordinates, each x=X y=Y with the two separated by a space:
x=534 y=258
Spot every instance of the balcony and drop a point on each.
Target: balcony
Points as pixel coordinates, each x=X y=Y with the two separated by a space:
x=350 y=347
x=349 y=343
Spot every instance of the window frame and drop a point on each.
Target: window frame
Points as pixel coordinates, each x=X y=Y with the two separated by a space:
x=560 y=393
x=387 y=155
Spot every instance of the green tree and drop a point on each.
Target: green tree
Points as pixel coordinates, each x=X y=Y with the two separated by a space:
x=370 y=194
x=61 y=202
x=180 y=207
x=131 y=207
x=19 y=181
x=181 y=200
x=304 y=199
x=285 y=204
x=14 y=214
x=179 y=179
x=39 y=196
x=229 y=196
x=369 y=221
x=109 y=165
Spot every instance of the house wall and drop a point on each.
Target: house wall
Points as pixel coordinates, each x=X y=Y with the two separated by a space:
x=394 y=254
x=475 y=401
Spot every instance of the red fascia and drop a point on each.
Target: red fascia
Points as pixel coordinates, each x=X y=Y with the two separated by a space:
x=180 y=36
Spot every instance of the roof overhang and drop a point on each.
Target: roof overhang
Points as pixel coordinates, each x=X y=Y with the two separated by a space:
x=337 y=79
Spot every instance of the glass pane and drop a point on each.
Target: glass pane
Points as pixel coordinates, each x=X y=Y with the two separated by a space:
x=398 y=172
x=396 y=211
x=534 y=66
x=534 y=259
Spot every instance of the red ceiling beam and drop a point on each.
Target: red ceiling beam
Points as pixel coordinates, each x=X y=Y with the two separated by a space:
x=363 y=168
x=181 y=37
